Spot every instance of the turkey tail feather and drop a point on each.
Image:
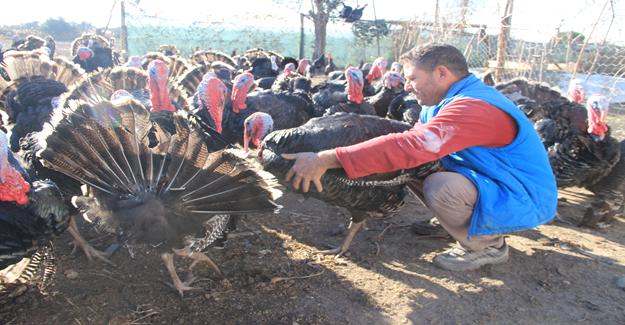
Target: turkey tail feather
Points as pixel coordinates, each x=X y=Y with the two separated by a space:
x=106 y=147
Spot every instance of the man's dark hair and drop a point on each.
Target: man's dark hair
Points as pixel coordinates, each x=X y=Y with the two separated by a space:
x=430 y=56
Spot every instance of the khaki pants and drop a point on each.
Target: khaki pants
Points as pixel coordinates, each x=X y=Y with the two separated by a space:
x=451 y=198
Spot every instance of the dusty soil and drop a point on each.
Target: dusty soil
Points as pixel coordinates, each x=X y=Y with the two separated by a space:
x=557 y=274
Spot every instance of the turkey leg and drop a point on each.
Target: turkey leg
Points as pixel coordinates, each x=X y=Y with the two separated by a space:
x=181 y=287
x=352 y=230
x=79 y=241
x=197 y=257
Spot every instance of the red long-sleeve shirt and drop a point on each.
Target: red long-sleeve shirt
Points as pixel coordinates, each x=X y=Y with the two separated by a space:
x=460 y=124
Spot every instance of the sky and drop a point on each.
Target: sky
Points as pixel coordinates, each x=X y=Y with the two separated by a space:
x=534 y=20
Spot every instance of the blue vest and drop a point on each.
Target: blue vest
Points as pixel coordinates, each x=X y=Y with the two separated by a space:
x=516 y=185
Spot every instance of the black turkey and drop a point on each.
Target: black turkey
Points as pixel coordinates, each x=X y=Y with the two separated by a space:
x=178 y=66
x=609 y=200
x=31 y=213
x=404 y=107
x=355 y=102
x=92 y=52
x=393 y=86
x=181 y=196
x=375 y=195
x=350 y=14
x=581 y=150
x=578 y=157
x=286 y=109
x=282 y=80
x=36 y=82
x=209 y=56
x=378 y=69
x=150 y=88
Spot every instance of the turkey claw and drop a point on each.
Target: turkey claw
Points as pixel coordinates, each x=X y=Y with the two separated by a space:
x=183 y=286
x=338 y=251
x=92 y=253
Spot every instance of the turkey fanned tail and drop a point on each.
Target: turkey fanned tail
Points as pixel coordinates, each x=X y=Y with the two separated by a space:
x=143 y=190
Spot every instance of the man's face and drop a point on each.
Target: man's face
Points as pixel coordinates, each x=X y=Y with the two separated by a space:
x=427 y=86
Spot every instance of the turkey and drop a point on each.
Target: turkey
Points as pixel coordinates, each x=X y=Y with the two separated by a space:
x=286 y=109
x=169 y=50
x=152 y=87
x=35 y=81
x=581 y=150
x=393 y=85
x=210 y=56
x=375 y=195
x=355 y=102
x=378 y=69
x=209 y=100
x=351 y=14
x=303 y=67
x=92 y=52
x=149 y=88
x=330 y=66
x=183 y=195
x=282 y=80
x=178 y=66
x=404 y=107
x=609 y=200
x=31 y=213
x=580 y=154
x=32 y=42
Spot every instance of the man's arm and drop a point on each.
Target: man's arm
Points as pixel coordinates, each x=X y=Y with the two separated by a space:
x=461 y=124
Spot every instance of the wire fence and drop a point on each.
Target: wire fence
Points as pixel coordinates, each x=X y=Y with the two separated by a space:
x=588 y=45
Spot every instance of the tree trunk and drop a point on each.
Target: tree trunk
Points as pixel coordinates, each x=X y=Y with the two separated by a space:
x=320 y=21
x=320 y=38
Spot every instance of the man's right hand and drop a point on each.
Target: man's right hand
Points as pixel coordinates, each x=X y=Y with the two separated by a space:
x=309 y=167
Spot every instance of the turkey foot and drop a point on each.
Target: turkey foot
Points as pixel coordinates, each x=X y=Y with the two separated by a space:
x=180 y=286
x=197 y=257
x=352 y=230
x=79 y=241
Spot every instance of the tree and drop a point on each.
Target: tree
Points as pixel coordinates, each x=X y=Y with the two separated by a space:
x=60 y=29
x=320 y=15
x=572 y=37
x=367 y=31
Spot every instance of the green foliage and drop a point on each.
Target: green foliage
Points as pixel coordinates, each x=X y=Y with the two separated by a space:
x=62 y=30
x=367 y=31
x=565 y=37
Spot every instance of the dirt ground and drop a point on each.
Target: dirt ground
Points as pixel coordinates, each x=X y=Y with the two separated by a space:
x=557 y=274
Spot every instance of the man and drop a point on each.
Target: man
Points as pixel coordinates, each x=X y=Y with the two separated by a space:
x=497 y=176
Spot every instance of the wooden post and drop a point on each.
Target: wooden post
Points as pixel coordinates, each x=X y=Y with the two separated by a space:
x=502 y=45
x=301 y=36
x=124 y=30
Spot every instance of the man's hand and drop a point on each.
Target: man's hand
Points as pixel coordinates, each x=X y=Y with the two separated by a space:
x=309 y=167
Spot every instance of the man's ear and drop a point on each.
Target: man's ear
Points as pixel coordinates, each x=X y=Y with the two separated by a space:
x=442 y=72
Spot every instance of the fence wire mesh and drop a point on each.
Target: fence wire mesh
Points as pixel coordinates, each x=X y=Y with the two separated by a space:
x=555 y=42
